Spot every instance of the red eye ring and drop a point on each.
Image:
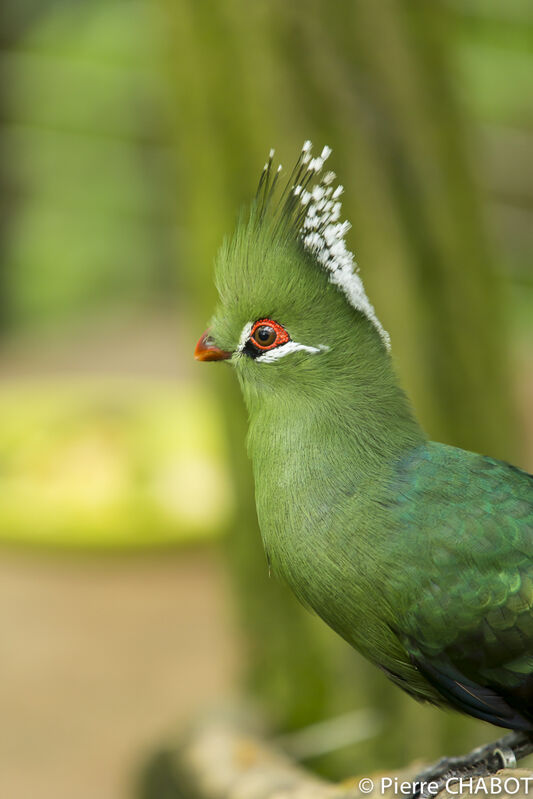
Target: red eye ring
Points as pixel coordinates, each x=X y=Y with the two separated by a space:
x=271 y=341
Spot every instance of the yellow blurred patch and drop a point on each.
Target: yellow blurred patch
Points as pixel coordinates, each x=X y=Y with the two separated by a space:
x=120 y=464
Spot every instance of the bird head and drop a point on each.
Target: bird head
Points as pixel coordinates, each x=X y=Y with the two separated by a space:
x=292 y=312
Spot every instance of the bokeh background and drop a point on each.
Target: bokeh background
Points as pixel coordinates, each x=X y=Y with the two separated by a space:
x=133 y=588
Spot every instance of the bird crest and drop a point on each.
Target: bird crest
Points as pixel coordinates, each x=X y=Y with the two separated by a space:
x=309 y=208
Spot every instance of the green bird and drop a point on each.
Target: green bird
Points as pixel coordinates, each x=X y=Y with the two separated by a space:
x=420 y=555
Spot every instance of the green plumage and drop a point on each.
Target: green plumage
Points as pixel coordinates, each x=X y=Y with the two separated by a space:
x=420 y=555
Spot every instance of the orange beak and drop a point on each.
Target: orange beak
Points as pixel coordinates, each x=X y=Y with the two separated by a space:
x=207 y=351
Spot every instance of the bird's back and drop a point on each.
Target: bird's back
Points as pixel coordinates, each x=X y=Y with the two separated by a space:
x=464 y=581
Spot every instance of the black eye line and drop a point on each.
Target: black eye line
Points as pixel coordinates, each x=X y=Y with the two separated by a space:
x=251 y=350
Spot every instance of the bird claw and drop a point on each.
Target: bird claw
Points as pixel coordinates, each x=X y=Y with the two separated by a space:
x=481 y=762
x=431 y=782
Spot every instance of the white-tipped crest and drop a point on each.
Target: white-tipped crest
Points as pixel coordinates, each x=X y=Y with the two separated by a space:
x=324 y=236
x=313 y=211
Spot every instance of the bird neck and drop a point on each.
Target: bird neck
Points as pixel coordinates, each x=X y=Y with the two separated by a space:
x=323 y=455
x=351 y=426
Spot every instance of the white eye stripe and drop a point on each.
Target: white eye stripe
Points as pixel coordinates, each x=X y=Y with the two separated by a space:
x=286 y=349
x=245 y=335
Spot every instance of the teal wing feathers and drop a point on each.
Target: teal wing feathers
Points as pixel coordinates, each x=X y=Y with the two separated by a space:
x=466 y=542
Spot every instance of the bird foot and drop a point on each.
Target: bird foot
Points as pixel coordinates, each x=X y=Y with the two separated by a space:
x=481 y=762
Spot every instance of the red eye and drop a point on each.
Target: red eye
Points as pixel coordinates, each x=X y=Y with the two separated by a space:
x=267 y=334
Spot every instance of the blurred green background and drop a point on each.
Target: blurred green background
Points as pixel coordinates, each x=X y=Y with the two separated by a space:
x=133 y=587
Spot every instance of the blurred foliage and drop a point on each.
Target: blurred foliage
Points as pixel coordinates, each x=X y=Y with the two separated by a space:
x=131 y=132
x=85 y=144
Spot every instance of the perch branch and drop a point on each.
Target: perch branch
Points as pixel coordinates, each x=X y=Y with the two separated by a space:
x=228 y=758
